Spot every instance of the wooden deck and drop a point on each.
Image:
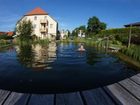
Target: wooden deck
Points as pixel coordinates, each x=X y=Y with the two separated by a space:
x=126 y=92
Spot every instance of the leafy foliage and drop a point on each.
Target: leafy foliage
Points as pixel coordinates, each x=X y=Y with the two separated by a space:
x=25 y=55
x=24 y=29
x=76 y=30
x=69 y=33
x=5 y=37
x=95 y=25
x=133 y=52
x=121 y=34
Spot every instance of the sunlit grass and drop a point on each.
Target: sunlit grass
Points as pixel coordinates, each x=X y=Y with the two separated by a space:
x=133 y=52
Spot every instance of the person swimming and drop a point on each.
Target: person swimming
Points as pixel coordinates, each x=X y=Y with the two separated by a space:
x=81 y=48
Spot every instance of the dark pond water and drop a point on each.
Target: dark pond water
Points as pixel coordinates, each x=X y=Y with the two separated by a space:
x=58 y=68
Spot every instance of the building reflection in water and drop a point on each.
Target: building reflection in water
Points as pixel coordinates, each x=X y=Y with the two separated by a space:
x=38 y=57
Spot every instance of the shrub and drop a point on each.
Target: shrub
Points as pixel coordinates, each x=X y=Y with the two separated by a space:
x=133 y=52
x=121 y=34
x=5 y=37
x=24 y=30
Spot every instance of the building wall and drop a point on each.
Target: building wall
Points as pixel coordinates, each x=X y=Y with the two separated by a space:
x=52 y=29
x=63 y=34
x=51 y=26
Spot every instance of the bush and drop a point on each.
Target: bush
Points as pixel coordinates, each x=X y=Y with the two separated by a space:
x=41 y=41
x=122 y=34
x=4 y=42
x=133 y=52
x=5 y=37
x=24 y=30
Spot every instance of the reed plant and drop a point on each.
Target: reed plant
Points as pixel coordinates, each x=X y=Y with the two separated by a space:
x=133 y=52
x=41 y=41
x=4 y=43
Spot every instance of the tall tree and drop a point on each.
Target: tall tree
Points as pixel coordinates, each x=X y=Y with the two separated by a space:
x=83 y=28
x=76 y=30
x=95 y=25
x=24 y=30
x=103 y=26
x=69 y=33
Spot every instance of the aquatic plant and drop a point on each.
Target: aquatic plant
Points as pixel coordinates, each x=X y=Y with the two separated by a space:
x=133 y=52
x=41 y=41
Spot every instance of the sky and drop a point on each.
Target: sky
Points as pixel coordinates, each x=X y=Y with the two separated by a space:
x=72 y=13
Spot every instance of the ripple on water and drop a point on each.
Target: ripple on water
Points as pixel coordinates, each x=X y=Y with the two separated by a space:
x=58 y=68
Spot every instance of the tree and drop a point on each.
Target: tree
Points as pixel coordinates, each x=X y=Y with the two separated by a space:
x=95 y=25
x=103 y=26
x=26 y=55
x=5 y=37
x=83 y=28
x=68 y=33
x=58 y=35
x=76 y=30
x=24 y=30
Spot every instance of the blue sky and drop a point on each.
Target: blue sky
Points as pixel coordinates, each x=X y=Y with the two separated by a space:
x=72 y=13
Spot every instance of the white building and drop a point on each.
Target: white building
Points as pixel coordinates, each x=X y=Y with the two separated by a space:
x=44 y=25
x=81 y=34
x=64 y=34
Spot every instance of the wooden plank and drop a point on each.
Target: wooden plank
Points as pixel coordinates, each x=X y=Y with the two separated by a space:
x=60 y=99
x=138 y=74
x=97 y=97
x=17 y=99
x=132 y=87
x=41 y=100
x=69 y=99
x=123 y=96
x=136 y=79
x=3 y=95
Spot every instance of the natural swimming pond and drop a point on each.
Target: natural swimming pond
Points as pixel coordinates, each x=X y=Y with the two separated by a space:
x=58 y=68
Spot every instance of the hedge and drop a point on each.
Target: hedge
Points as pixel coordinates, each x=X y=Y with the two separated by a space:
x=122 y=34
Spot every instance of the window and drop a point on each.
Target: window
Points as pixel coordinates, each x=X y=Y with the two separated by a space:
x=34 y=26
x=45 y=17
x=35 y=18
x=51 y=25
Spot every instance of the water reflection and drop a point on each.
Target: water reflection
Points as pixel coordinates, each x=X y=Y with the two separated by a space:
x=25 y=55
x=71 y=70
x=37 y=56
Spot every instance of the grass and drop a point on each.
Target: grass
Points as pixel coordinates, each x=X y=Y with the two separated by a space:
x=26 y=42
x=98 y=42
x=133 y=52
x=132 y=63
x=41 y=41
x=4 y=43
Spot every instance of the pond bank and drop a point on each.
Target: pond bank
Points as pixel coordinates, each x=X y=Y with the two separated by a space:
x=7 y=45
x=132 y=63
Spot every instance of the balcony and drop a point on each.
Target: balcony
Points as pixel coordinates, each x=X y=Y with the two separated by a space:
x=43 y=30
x=43 y=21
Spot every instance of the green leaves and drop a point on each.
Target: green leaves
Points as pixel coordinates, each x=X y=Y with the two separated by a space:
x=121 y=34
x=95 y=25
x=5 y=37
x=76 y=30
x=133 y=52
x=24 y=29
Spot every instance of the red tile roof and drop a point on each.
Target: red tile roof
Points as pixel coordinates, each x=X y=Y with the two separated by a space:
x=2 y=33
x=10 y=33
x=7 y=33
x=37 y=11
